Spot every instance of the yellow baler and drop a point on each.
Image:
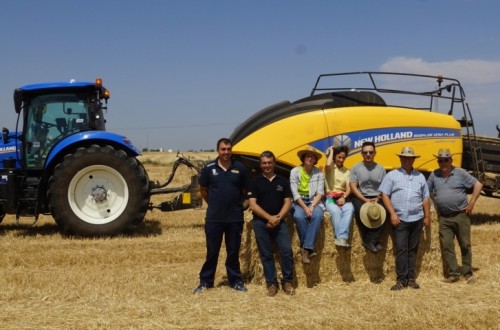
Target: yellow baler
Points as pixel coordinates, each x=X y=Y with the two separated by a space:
x=378 y=112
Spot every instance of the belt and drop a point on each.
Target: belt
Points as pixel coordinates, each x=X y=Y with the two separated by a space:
x=306 y=199
x=450 y=215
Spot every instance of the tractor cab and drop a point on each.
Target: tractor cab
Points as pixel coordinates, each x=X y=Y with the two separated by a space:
x=54 y=111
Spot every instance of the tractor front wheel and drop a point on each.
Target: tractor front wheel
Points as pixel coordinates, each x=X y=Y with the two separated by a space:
x=98 y=191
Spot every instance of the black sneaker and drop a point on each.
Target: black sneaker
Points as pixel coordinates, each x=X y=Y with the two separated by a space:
x=202 y=287
x=370 y=247
x=239 y=286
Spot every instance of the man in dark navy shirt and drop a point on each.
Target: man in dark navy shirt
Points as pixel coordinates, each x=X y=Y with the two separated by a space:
x=223 y=186
x=270 y=199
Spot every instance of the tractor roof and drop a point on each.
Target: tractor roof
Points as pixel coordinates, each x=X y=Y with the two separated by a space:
x=56 y=85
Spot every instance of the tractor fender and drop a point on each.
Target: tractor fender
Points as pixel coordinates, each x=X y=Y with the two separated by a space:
x=92 y=137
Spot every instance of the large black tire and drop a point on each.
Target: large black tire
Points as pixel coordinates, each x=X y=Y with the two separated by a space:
x=98 y=191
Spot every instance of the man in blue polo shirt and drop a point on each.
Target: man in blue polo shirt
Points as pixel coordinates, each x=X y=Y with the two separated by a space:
x=223 y=186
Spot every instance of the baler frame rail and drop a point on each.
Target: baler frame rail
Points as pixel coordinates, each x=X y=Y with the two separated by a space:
x=181 y=160
x=188 y=195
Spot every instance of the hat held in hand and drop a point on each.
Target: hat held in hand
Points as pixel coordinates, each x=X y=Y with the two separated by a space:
x=372 y=215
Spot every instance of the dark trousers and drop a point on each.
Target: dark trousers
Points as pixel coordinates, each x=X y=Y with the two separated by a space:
x=457 y=226
x=265 y=238
x=214 y=232
x=367 y=234
x=406 y=239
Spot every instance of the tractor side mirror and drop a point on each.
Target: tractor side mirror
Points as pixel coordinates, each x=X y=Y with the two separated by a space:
x=18 y=100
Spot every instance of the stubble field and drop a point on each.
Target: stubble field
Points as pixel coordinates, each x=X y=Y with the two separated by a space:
x=145 y=280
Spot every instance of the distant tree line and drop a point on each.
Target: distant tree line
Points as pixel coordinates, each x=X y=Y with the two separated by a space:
x=190 y=150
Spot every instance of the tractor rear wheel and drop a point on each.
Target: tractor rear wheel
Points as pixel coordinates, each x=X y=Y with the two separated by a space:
x=98 y=191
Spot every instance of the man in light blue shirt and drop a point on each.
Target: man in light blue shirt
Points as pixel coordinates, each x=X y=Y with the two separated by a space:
x=406 y=197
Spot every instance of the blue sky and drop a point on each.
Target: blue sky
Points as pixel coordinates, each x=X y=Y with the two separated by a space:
x=184 y=73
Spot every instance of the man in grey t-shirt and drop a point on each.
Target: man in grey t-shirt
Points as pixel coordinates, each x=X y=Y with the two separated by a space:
x=449 y=185
x=364 y=182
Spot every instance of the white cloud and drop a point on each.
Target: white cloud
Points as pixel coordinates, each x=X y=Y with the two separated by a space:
x=477 y=72
x=479 y=78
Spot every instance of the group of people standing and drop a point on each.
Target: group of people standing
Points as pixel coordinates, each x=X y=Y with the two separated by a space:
x=366 y=191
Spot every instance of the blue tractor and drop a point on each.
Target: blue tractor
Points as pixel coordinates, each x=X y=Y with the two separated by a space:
x=64 y=163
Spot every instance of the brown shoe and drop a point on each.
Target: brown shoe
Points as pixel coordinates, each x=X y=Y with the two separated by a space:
x=305 y=256
x=469 y=278
x=451 y=279
x=398 y=286
x=288 y=288
x=413 y=284
x=272 y=290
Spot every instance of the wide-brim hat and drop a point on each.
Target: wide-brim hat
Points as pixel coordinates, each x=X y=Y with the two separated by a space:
x=309 y=150
x=443 y=153
x=372 y=215
x=407 y=152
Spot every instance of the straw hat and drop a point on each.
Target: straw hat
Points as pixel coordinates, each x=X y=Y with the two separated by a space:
x=443 y=153
x=309 y=150
x=407 y=152
x=372 y=215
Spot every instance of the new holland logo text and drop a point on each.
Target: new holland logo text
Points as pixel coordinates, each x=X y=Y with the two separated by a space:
x=384 y=138
x=7 y=149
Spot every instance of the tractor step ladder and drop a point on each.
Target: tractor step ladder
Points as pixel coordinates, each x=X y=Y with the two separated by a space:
x=32 y=202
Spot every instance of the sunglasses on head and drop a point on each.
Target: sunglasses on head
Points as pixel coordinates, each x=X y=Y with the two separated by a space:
x=443 y=160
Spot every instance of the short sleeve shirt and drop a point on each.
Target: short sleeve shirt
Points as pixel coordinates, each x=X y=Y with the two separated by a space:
x=368 y=178
x=450 y=193
x=336 y=179
x=225 y=199
x=270 y=195
x=407 y=193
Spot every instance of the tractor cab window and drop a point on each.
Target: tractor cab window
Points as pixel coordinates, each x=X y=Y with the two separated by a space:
x=50 y=118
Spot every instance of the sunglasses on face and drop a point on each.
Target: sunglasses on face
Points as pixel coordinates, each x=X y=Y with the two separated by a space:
x=443 y=160
x=367 y=152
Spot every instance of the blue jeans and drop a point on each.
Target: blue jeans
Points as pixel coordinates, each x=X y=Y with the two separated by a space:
x=406 y=239
x=341 y=219
x=281 y=237
x=308 y=228
x=214 y=232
